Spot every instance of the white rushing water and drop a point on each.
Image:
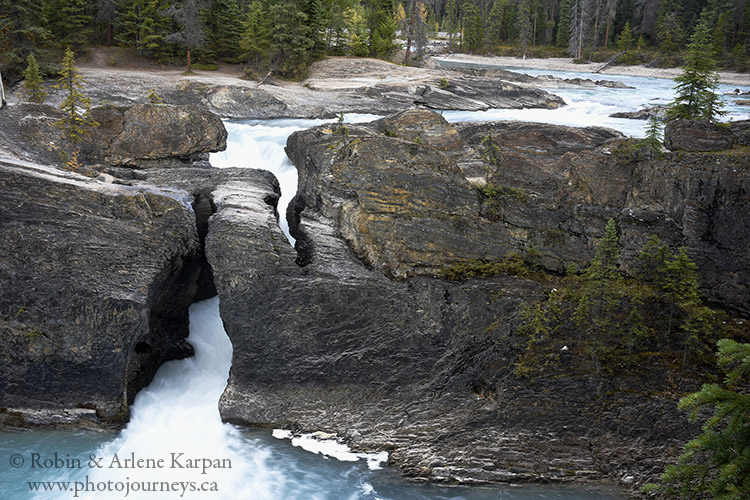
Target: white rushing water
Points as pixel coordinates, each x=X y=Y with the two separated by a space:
x=176 y=418
x=260 y=144
x=592 y=106
x=176 y=447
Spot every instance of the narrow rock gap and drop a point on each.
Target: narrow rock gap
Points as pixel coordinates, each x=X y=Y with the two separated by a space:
x=188 y=279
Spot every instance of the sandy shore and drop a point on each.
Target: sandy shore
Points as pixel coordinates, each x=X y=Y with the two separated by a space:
x=565 y=64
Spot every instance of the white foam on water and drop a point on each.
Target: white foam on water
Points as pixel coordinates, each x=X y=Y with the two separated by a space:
x=260 y=144
x=176 y=419
x=321 y=443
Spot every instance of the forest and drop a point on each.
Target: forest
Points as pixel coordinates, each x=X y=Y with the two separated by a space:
x=285 y=36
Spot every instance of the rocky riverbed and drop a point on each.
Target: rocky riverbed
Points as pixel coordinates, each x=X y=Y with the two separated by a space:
x=352 y=331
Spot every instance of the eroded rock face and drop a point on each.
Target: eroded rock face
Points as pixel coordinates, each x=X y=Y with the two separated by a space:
x=398 y=192
x=421 y=368
x=95 y=282
x=688 y=135
x=403 y=201
x=142 y=134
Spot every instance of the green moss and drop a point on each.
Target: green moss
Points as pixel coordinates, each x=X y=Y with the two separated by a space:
x=512 y=264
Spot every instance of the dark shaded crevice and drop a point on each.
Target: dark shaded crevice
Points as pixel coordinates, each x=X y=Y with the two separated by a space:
x=204 y=207
x=303 y=243
x=188 y=279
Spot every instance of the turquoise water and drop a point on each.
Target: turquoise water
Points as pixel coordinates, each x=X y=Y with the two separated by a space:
x=175 y=420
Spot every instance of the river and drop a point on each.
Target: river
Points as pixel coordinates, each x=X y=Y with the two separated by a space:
x=175 y=422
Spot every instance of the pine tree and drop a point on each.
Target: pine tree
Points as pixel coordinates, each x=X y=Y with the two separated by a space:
x=316 y=22
x=654 y=134
x=474 y=28
x=291 y=38
x=356 y=27
x=33 y=82
x=256 y=38
x=191 y=34
x=106 y=12
x=382 y=26
x=625 y=39
x=696 y=98
x=523 y=25
x=451 y=20
x=223 y=28
x=563 y=24
x=70 y=22
x=669 y=33
x=142 y=25
x=73 y=123
x=23 y=29
x=716 y=463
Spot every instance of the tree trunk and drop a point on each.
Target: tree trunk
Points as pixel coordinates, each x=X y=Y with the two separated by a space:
x=188 y=58
x=606 y=37
x=411 y=30
x=580 y=37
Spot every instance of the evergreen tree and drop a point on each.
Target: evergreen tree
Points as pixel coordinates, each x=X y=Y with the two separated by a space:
x=625 y=39
x=22 y=32
x=382 y=26
x=523 y=25
x=563 y=24
x=451 y=20
x=669 y=33
x=70 y=22
x=142 y=25
x=356 y=26
x=223 y=28
x=316 y=22
x=291 y=38
x=716 y=463
x=696 y=98
x=33 y=82
x=654 y=134
x=191 y=34
x=106 y=12
x=256 y=38
x=73 y=123
x=474 y=28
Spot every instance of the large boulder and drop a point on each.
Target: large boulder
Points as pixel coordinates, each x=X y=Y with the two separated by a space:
x=420 y=367
x=95 y=284
x=147 y=134
x=689 y=135
x=403 y=190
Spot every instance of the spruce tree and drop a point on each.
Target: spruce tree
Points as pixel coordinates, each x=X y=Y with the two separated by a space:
x=356 y=27
x=523 y=25
x=716 y=463
x=223 y=29
x=653 y=139
x=70 y=22
x=696 y=87
x=73 y=123
x=563 y=24
x=291 y=39
x=256 y=38
x=625 y=39
x=474 y=28
x=33 y=82
x=191 y=34
x=382 y=26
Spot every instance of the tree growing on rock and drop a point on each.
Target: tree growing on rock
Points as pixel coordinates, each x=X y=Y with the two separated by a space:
x=74 y=122
x=716 y=464
x=696 y=87
x=33 y=82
